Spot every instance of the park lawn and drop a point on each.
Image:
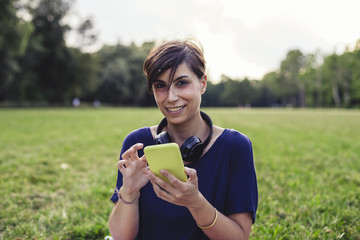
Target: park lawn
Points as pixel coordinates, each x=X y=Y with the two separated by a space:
x=58 y=169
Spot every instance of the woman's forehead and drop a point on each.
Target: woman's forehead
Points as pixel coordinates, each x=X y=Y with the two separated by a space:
x=181 y=71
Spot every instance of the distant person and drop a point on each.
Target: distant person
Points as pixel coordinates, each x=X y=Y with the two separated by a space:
x=76 y=102
x=219 y=200
x=97 y=103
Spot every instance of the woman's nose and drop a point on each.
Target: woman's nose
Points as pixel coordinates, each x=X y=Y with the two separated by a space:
x=172 y=94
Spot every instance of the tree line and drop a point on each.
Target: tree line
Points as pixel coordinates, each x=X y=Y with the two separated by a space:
x=37 y=66
x=302 y=80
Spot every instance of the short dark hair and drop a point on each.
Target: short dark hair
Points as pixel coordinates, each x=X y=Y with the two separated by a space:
x=170 y=55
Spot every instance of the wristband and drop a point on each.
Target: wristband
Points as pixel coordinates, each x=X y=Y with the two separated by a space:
x=126 y=202
x=212 y=224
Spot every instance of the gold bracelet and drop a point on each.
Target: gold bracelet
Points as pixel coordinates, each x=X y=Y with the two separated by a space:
x=126 y=202
x=212 y=224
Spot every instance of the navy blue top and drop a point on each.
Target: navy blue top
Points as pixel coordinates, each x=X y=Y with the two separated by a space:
x=227 y=179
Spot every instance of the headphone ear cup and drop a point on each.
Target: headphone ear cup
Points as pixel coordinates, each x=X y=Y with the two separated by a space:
x=190 y=149
x=162 y=137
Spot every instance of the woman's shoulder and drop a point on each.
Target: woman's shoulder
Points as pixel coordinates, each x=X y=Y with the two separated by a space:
x=224 y=138
x=234 y=139
x=139 y=131
x=138 y=135
x=232 y=135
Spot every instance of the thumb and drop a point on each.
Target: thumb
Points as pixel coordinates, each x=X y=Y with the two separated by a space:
x=143 y=158
x=192 y=174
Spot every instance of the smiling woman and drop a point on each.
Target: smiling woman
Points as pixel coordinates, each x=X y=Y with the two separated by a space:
x=176 y=75
x=219 y=199
x=170 y=56
x=183 y=94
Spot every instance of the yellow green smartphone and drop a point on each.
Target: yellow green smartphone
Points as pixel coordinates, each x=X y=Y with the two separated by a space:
x=165 y=156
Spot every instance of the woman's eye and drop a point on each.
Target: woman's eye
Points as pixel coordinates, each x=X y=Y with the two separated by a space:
x=182 y=83
x=159 y=85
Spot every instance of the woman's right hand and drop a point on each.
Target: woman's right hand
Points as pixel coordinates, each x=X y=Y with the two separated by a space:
x=134 y=171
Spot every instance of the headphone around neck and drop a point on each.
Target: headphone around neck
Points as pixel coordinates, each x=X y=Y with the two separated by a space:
x=192 y=148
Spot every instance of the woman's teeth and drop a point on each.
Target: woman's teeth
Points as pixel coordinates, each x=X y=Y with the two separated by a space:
x=175 y=109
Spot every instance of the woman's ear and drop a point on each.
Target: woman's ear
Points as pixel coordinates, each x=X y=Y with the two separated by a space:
x=203 y=84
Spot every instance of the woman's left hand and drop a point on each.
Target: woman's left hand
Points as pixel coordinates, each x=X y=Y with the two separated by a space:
x=178 y=192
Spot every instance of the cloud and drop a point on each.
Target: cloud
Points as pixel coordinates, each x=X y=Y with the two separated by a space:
x=269 y=40
x=240 y=38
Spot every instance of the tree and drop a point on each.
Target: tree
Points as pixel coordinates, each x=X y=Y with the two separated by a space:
x=292 y=89
x=355 y=77
x=312 y=78
x=211 y=97
x=337 y=74
x=84 y=75
x=268 y=91
x=229 y=96
x=86 y=34
x=46 y=65
x=14 y=35
x=122 y=79
x=238 y=92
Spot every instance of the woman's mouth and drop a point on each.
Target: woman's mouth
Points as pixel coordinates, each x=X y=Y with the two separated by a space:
x=175 y=109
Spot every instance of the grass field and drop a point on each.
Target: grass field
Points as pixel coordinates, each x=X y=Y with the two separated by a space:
x=57 y=170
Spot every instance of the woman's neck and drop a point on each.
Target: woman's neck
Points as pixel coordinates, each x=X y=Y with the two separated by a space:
x=193 y=127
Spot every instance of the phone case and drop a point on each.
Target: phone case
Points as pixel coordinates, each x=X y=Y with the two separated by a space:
x=165 y=156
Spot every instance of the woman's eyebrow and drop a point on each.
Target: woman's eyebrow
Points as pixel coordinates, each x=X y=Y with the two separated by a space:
x=181 y=77
x=176 y=79
x=158 y=80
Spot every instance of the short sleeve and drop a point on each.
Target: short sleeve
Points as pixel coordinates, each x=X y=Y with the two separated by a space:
x=242 y=192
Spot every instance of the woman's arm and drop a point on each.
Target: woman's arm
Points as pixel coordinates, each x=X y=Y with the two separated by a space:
x=235 y=226
x=124 y=218
x=214 y=224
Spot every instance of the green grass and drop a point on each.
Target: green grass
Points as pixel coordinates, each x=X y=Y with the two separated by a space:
x=57 y=170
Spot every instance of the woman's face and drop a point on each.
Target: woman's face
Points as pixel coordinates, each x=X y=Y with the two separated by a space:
x=180 y=101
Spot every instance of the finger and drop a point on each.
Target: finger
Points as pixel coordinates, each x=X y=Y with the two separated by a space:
x=121 y=165
x=192 y=174
x=134 y=151
x=134 y=155
x=152 y=176
x=156 y=189
x=137 y=146
x=161 y=183
x=143 y=159
x=127 y=153
x=131 y=150
x=159 y=191
x=172 y=179
x=146 y=170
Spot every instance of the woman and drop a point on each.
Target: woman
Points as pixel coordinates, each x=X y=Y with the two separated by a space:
x=219 y=200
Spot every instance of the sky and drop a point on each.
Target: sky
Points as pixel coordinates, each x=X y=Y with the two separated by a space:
x=240 y=38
